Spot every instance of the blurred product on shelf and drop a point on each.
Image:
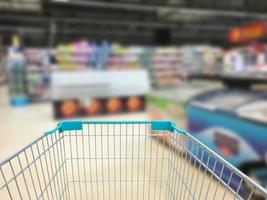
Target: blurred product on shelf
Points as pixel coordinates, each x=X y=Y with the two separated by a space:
x=233 y=124
x=167 y=67
x=39 y=71
x=114 y=105
x=202 y=59
x=125 y=57
x=172 y=65
x=93 y=107
x=73 y=56
x=84 y=54
x=68 y=108
x=249 y=59
x=17 y=74
x=100 y=106
x=134 y=103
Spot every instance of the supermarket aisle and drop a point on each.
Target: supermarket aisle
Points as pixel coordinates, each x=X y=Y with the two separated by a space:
x=21 y=125
x=131 y=165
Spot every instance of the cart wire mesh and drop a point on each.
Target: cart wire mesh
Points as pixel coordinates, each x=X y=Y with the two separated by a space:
x=121 y=160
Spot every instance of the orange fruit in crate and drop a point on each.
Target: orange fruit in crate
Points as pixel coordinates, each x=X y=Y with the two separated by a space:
x=134 y=103
x=114 y=105
x=68 y=108
x=94 y=107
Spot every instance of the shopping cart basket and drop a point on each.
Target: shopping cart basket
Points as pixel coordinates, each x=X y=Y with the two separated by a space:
x=121 y=160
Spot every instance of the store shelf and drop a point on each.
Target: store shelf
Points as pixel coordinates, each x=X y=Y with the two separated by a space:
x=232 y=80
x=73 y=52
x=38 y=73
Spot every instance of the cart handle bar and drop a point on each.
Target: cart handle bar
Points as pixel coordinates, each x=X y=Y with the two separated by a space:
x=158 y=125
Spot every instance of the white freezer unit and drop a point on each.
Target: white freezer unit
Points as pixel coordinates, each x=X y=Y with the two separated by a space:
x=98 y=84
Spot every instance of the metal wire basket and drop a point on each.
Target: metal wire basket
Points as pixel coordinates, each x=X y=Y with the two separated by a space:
x=121 y=160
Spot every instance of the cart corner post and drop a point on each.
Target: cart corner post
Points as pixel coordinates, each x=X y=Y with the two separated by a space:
x=66 y=126
x=165 y=125
x=70 y=125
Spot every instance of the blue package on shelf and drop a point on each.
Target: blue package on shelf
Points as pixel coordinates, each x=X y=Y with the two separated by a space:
x=19 y=101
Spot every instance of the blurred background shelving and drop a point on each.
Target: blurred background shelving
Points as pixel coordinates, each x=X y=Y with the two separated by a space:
x=190 y=61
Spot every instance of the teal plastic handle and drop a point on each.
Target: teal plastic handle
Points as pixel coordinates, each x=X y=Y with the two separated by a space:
x=51 y=131
x=159 y=125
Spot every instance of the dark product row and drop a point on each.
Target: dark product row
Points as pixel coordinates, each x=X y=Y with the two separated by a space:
x=98 y=106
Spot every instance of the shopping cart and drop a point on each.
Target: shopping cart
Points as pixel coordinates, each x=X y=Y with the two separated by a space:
x=121 y=160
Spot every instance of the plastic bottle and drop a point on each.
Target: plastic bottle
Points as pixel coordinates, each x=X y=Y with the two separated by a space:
x=17 y=77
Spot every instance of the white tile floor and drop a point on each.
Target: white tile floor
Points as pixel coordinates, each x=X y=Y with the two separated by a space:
x=21 y=125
